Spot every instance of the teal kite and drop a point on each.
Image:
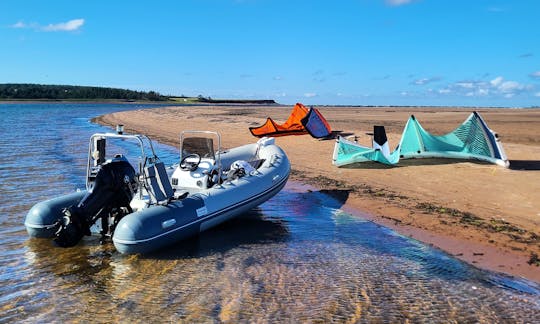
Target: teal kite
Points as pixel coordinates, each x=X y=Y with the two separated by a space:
x=473 y=139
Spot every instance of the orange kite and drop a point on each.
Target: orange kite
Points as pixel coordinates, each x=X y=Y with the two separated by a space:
x=301 y=121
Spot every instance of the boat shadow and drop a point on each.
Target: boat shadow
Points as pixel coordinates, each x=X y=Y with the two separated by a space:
x=336 y=198
x=249 y=228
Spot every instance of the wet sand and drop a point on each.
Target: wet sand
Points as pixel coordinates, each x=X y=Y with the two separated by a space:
x=481 y=213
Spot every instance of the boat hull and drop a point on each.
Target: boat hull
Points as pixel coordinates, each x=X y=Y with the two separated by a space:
x=154 y=226
x=150 y=229
x=134 y=234
x=42 y=218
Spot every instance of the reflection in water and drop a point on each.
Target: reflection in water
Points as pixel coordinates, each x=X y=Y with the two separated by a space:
x=247 y=229
x=297 y=258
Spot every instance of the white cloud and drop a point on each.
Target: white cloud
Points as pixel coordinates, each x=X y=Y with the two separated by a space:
x=495 y=82
x=509 y=86
x=396 y=3
x=537 y=94
x=465 y=84
x=71 y=25
x=535 y=75
x=482 y=92
x=310 y=95
x=19 y=24
x=496 y=87
x=425 y=80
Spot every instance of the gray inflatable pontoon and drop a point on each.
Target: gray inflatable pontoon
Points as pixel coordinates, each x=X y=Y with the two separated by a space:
x=155 y=206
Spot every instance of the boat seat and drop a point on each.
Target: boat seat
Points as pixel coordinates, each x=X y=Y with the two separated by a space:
x=159 y=186
x=256 y=163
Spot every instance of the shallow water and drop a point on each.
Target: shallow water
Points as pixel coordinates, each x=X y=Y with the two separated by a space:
x=296 y=258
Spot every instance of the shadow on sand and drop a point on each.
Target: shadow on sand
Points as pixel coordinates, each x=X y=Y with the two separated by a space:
x=335 y=134
x=525 y=165
x=517 y=165
x=407 y=163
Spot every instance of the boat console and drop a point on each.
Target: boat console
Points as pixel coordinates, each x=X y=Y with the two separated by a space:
x=200 y=166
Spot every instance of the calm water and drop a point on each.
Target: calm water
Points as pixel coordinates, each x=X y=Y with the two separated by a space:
x=297 y=258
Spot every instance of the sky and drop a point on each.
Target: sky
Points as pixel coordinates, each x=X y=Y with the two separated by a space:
x=318 y=52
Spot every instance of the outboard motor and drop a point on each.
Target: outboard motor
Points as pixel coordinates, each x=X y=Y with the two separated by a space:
x=112 y=190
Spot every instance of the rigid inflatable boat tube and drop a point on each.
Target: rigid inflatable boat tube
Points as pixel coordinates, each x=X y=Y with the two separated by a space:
x=42 y=217
x=149 y=230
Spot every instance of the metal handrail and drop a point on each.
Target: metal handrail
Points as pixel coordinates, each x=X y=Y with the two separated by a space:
x=140 y=139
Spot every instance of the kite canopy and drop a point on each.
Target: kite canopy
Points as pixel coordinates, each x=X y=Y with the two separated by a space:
x=315 y=124
x=300 y=121
x=471 y=140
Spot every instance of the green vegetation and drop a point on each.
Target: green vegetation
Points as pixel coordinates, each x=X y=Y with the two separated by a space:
x=28 y=91
x=185 y=100
x=14 y=91
x=201 y=99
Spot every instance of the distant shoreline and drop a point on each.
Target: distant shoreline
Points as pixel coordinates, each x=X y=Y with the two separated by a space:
x=60 y=101
x=241 y=102
x=220 y=102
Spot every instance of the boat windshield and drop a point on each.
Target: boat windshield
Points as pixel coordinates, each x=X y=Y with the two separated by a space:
x=206 y=144
x=202 y=146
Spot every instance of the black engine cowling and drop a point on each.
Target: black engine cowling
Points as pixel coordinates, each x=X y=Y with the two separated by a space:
x=113 y=189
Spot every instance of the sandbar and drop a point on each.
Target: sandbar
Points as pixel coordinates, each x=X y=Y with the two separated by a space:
x=481 y=213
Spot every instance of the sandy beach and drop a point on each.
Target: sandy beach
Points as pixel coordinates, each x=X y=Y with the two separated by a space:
x=481 y=213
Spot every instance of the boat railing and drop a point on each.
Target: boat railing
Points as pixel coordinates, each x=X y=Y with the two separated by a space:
x=96 y=157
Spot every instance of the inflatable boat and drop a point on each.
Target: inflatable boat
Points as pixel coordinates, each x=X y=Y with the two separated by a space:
x=146 y=206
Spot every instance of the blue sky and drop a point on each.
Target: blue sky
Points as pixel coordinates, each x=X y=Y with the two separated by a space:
x=360 y=52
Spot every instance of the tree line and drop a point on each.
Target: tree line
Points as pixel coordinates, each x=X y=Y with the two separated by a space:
x=68 y=92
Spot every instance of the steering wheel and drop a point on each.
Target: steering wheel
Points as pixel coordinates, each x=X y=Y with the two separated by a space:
x=190 y=165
